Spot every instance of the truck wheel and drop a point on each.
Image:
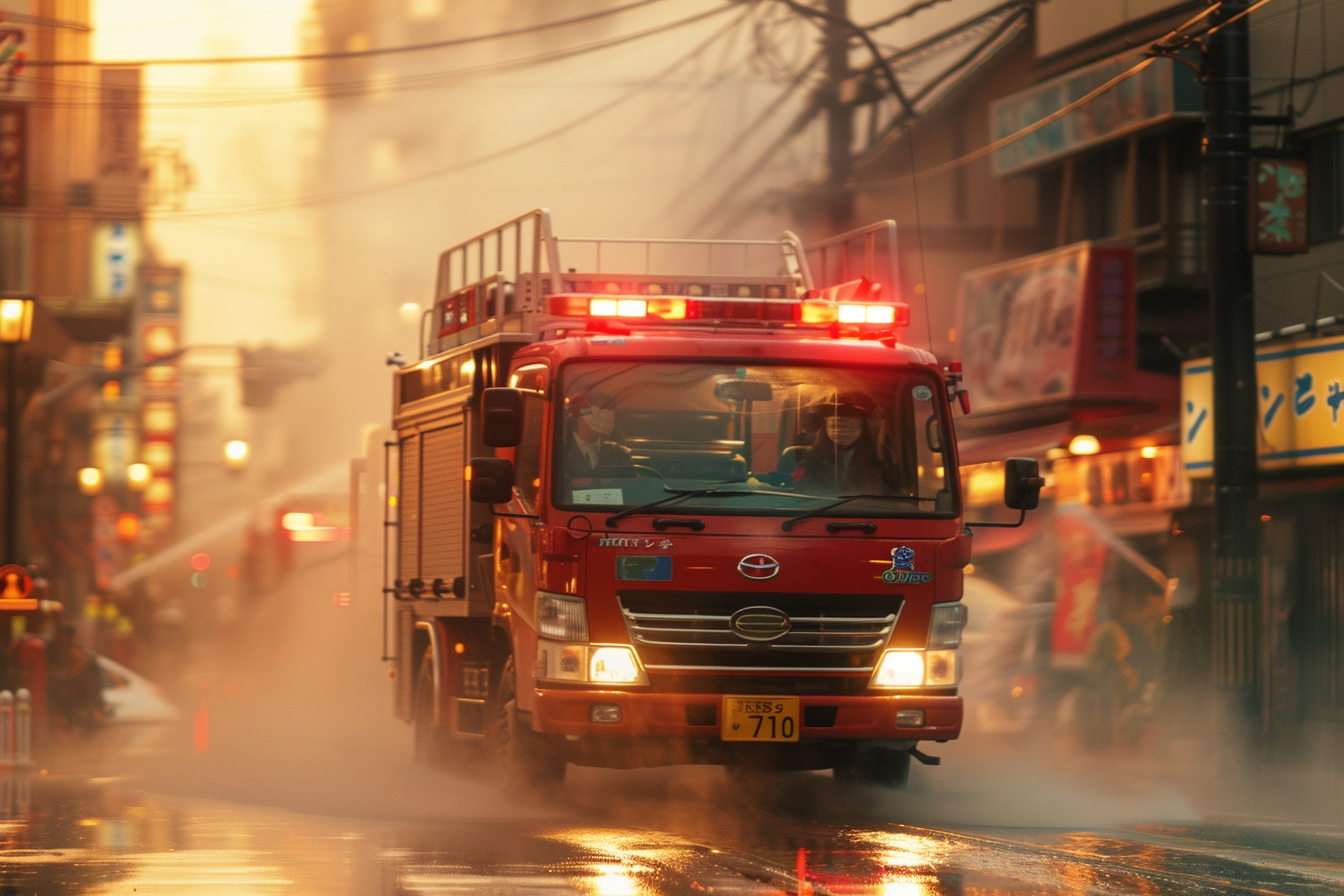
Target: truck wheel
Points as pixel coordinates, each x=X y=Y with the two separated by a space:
x=879 y=767
x=524 y=760
x=433 y=745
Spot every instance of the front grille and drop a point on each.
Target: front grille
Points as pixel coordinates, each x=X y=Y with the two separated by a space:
x=685 y=630
x=805 y=632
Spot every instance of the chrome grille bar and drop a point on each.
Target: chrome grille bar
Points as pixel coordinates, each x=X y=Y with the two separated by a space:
x=826 y=633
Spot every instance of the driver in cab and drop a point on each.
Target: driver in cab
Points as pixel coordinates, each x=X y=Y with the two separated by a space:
x=590 y=450
x=844 y=458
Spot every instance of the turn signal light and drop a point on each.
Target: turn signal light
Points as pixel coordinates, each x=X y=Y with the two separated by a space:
x=820 y=311
x=623 y=307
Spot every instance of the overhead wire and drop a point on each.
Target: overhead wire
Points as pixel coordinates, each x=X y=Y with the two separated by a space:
x=734 y=145
x=910 y=11
x=805 y=117
x=1292 y=76
x=302 y=93
x=348 y=54
x=1162 y=46
x=302 y=201
x=1159 y=47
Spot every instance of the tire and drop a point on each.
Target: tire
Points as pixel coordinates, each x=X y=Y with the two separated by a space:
x=432 y=744
x=879 y=767
x=524 y=760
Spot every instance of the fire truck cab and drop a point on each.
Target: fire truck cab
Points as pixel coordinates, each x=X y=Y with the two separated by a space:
x=658 y=502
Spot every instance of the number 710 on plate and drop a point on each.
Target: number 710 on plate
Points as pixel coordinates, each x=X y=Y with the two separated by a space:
x=761 y=719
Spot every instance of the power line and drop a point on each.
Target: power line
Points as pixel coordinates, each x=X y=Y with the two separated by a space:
x=1176 y=38
x=1156 y=47
x=304 y=93
x=908 y=12
x=349 y=54
x=735 y=144
x=471 y=163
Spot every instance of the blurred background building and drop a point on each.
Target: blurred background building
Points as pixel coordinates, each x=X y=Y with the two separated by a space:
x=1067 y=270
x=223 y=254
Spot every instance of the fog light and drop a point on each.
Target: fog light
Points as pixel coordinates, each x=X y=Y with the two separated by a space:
x=909 y=718
x=604 y=714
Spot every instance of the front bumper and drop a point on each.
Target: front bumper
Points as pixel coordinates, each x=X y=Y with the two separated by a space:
x=567 y=712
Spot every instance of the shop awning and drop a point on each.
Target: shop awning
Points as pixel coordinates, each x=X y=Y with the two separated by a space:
x=1117 y=429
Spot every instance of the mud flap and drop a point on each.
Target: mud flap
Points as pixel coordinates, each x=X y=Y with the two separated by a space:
x=404 y=683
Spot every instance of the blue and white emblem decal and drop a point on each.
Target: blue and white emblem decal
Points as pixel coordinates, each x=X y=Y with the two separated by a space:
x=903 y=568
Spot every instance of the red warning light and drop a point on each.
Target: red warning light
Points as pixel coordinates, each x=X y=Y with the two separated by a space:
x=128 y=528
x=200 y=562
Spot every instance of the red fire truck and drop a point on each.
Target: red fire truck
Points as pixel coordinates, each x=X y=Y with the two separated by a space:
x=671 y=501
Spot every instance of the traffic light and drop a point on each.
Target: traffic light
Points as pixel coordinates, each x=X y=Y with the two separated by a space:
x=263 y=370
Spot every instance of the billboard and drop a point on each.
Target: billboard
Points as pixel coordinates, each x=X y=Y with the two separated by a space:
x=1299 y=388
x=1049 y=327
x=1163 y=90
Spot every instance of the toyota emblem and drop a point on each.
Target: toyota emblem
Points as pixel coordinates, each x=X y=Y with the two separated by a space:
x=758 y=566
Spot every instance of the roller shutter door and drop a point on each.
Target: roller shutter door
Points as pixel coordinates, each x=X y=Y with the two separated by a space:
x=408 y=560
x=443 y=529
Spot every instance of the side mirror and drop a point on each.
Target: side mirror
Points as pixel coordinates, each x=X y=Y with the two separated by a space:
x=1022 y=483
x=501 y=418
x=491 y=480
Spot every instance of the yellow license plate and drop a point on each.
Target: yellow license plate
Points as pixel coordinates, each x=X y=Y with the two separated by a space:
x=761 y=719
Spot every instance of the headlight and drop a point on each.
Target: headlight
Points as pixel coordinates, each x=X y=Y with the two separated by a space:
x=900 y=669
x=588 y=663
x=915 y=668
x=562 y=616
x=945 y=625
x=613 y=665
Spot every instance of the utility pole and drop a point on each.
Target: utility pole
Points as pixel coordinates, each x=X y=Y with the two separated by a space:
x=1236 y=574
x=838 y=199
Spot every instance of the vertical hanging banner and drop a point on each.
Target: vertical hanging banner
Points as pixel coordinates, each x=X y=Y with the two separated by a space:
x=158 y=338
x=1279 y=205
x=106 y=546
x=13 y=155
x=119 y=178
x=1082 y=561
x=116 y=248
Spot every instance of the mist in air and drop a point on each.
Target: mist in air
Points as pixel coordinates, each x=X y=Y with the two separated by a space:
x=321 y=194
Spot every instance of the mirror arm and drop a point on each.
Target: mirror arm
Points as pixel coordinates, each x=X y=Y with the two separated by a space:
x=512 y=515
x=1022 y=518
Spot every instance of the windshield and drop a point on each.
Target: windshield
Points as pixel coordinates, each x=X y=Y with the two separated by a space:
x=780 y=439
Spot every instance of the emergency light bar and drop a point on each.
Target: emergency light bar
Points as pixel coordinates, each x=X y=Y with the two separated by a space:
x=867 y=317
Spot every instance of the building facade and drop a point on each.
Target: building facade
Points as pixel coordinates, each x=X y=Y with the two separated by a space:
x=1067 y=271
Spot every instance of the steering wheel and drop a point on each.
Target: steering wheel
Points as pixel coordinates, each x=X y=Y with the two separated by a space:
x=643 y=472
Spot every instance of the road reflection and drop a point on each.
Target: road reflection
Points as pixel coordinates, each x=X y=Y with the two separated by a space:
x=76 y=835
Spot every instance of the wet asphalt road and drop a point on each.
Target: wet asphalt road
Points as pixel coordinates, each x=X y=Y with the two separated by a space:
x=77 y=834
x=303 y=785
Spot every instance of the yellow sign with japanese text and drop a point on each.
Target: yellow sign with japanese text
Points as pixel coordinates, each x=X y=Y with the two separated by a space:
x=1299 y=390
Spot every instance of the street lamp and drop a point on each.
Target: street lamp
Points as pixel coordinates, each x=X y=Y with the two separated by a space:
x=236 y=452
x=90 y=480
x=138 y=476
x=16 y=326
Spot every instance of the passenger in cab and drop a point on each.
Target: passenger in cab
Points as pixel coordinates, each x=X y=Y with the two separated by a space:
x=590 y=446
x=844 y=458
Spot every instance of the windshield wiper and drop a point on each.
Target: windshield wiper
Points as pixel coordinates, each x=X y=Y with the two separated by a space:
x=680 y=494
x=843 y=499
